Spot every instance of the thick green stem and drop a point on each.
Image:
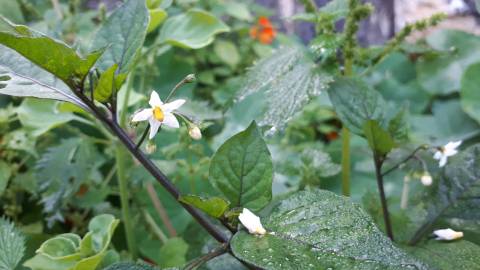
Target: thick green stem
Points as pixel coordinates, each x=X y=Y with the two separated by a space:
x=124 y=199
x=345 y=162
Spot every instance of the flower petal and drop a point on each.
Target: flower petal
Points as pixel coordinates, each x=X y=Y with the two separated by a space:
x=453 y=145
x=171 y=106
x=155 y=100
x=170 y=120
x=450 y=152
x=438 y=155
x=443 y=161
x=251 y=222
x=142 y=115
x=154 y=125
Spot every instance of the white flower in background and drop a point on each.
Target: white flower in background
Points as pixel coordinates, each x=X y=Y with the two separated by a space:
x=442 y=154
x=160 y=114
x=195 y=132
x=251 y=222
x=426 y=179
x=447 y=234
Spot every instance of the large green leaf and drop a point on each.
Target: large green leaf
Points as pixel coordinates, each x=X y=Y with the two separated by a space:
x=320 y=230
x=456 y=189
x=470 y=91
x=20 y=77
x=194 y=29
x=442 y=74
x=12 y=11
x=130 y=266
x=124 y=33
x=49 y=54
x=242 y=170
x=289 y=79
x=355 y=103
x=173 y=253
x=448 y=256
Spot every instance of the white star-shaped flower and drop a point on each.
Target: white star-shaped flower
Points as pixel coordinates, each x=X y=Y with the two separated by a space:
x=447 y=234
x=160 y=114
x=448 y=150
x=251 y=222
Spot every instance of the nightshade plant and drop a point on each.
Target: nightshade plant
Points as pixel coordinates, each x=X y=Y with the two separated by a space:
x=305 y=229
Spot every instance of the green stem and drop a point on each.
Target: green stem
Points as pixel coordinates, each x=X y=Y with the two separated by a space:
x=346 y=164
x=124 y=199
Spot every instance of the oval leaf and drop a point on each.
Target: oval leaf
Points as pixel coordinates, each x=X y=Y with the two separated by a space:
x=194 y=29
x=320 y=230
x=124 y=33
x=242 y=170
x=213 y=206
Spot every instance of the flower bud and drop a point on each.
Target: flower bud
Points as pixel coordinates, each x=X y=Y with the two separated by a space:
x=426 y=179
x=150 y=147
x=190 y=78
x=194 y=132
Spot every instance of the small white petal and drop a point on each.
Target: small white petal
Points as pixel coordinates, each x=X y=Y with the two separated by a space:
x=251 y=222
x=438 y=155
x=170 y=120
x=450 y=152
x=447 y=234
x=142 y=115
x=171 y=106
x=154 y=125
x=453 y=145
x=443 y=161
x=155 y=100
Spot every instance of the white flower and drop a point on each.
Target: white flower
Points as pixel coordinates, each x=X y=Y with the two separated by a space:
x=447 y=234
x=426 y=179
x=251 y=222
x=195 y=132
x=450 y=149
x=159 y=114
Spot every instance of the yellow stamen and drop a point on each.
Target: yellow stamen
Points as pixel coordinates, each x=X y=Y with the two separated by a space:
x=158 y=114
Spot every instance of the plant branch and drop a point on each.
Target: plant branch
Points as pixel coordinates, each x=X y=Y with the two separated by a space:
x=412 y=155
x=160 y=210
x=152 y=169
x=205 y=258
x=144 y=136
x=386 y=216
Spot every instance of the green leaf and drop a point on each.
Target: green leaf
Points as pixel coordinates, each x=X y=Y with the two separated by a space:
x=242 y=170
x=470 y=91
x=450 y=255
x=60 y=248
x=457 y=186
x=62 y=169
x=320 y=230
x=289 y=79
x=102 y=228
x=124 y=33
x=40 y=116
x=103 y=90
x=12 y=11
x=214 y=206
x=12 y=245
x=379 y=140
x=356 y=103
x=5 y=173
x=157 y=17
x=227 y=52
x=442 y=74
x=398 y=125
x=20 y=77
x=194 y=29
x=49 y=54
x=173 y=253
x=238 y=10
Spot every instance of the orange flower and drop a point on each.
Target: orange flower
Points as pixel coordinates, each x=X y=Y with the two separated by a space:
x=263 y=31
x=331 y=136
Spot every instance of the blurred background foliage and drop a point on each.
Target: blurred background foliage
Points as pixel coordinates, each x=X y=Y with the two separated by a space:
x=56 y=164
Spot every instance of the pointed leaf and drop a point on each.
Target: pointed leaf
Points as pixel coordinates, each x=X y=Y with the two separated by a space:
x=157 y=17
x=379 y=140
x=451 y=255
x=20 y=77
x=105 y=85
x=12 y=245
x=242 y=170
x=213 y=206
x=194 y=29
x=123 y=34
x=355 y=103
x=320 y=230
x=398 y=125
x=51 y=55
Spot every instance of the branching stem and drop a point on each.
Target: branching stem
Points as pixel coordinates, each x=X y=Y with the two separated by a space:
x=386 y=216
